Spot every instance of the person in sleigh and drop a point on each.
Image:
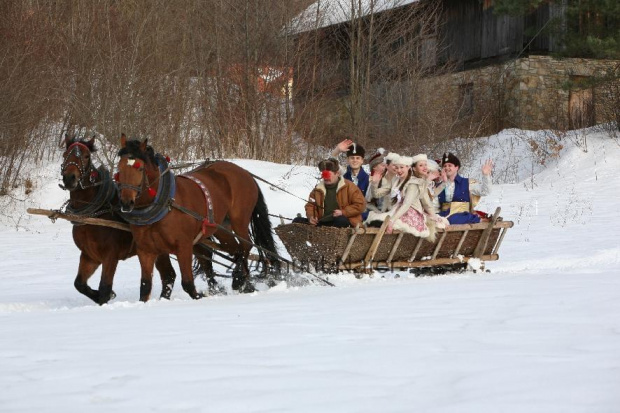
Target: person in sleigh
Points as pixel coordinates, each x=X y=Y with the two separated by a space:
x=335 y=201
x=460 y=195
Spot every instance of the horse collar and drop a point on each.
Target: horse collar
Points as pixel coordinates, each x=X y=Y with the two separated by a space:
x=160 y=206
x=103 y=198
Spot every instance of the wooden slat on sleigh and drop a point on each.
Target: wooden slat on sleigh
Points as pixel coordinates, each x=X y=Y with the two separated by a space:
x=336 y=249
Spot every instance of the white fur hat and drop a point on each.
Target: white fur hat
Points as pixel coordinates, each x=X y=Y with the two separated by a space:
x=391 y=156
x=403 y=160
x=432 y=165
x=418 y=158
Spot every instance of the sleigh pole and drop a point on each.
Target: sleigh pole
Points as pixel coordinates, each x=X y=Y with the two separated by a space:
x=53 y=215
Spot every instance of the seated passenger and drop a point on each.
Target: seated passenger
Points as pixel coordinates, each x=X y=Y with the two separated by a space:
x=408 y=214
x=378 y=194
x=460 y=195
x=435 y=185
x=390 y=175
x=384 y=189
x=335 y=201
x=355 y=158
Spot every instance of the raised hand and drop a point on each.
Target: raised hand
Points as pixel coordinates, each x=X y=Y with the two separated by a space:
x=344 y=145
x=487 y=168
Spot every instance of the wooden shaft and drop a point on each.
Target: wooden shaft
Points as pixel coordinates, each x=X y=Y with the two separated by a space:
x=79 y=219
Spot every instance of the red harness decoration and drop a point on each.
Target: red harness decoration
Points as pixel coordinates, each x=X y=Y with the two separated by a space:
x=208 y=221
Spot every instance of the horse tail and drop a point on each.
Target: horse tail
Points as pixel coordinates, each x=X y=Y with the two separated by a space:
x=262 y=233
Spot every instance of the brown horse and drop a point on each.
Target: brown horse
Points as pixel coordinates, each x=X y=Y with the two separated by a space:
x=220 y=200
x=93 y=193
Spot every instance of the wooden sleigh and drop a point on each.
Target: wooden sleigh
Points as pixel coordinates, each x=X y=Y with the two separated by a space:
x=364 y=250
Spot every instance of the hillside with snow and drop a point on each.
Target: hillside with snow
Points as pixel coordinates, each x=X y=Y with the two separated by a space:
x=539 y=333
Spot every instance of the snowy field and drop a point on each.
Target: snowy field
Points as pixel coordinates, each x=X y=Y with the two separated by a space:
x=539 y=333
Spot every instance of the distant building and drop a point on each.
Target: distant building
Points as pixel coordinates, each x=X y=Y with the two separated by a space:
x=493 y=58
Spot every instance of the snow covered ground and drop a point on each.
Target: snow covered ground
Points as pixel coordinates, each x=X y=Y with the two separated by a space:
x=540 y=333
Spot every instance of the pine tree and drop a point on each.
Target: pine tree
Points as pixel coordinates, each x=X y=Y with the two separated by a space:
x=591 y=29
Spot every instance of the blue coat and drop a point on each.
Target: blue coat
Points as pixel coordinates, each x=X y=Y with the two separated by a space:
x=461 y=194
x=362 y=179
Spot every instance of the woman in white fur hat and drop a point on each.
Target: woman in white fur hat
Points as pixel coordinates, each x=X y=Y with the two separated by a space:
x=413 y=206
x=382 y=179
x=435 y=186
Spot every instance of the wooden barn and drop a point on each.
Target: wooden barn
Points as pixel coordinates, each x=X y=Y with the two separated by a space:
x=481 y=54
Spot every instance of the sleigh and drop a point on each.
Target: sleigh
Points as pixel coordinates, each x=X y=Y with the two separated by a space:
x=364 y=250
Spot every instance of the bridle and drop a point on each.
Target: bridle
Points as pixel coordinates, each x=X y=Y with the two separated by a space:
x=76 y=149
x=144 y=182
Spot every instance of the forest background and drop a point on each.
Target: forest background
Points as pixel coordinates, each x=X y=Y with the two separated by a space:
x=212 y=78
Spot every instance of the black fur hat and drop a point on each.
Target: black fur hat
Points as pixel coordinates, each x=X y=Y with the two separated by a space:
x=330 y=164
x=450 y=158
x=356 y=150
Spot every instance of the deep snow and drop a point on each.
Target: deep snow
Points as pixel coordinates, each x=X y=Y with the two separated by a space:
x=540 y=333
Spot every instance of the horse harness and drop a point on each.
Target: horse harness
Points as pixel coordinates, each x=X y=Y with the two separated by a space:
x=164 y=200
x=76 y=149
x=209 y=220
x=102 y=203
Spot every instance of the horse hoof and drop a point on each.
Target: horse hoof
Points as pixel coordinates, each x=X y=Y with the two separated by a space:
x=247 y=288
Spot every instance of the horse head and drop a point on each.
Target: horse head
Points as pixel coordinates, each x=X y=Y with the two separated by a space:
x=77 y=168
x=137 y=171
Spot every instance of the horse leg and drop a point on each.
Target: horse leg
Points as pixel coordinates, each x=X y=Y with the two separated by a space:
x=167 y=275
x=184 y=255
x=86 y=269
x=147 y=262
x=247 y=285
x=240 y=227
x=107 y=278
x=241 y=275
x=237 y=274
x=204 y=267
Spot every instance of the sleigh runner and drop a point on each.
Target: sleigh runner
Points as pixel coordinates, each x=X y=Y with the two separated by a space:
x=365 y=249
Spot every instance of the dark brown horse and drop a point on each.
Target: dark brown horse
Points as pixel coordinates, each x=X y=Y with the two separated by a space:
x=93 y=193
x=235 y=200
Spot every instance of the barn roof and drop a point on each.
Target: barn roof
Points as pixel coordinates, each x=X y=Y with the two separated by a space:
x=324 y=13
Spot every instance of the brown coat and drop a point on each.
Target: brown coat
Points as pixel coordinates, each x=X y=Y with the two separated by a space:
x=350 y=200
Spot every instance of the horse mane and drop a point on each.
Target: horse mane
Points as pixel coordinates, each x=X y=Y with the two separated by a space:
x=132 y=148
x=90 y=144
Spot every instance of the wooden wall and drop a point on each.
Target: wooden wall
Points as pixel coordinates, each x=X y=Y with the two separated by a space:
x=472 y=31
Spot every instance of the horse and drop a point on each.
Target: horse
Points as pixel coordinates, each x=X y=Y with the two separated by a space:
x=220 y=199
x=92 y=192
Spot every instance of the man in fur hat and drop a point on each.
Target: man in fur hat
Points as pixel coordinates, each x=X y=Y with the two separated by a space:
x=355 y=159
x=460 y=195
x=335 y=201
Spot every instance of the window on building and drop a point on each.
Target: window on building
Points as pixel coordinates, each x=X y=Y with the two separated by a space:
x=580 y=103
x=466 y=103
